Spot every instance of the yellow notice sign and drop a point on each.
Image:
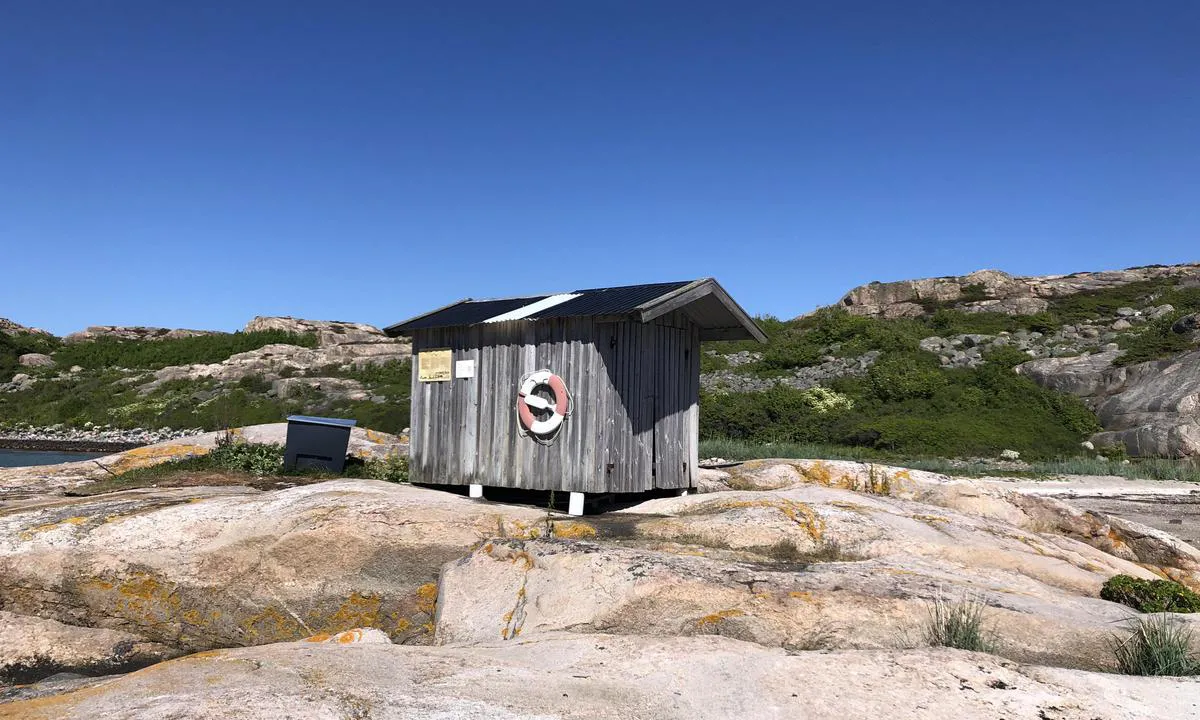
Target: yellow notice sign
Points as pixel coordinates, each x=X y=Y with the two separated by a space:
x=433 y=365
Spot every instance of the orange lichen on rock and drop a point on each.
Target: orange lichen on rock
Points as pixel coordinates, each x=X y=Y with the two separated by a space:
x=154 y=455
x=31 y=532
x=573 y=530
x=714 y=619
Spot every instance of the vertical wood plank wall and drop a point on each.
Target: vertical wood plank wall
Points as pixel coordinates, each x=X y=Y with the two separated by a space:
x=634 y=413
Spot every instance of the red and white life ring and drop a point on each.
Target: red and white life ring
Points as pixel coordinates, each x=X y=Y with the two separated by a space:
x=527 y=402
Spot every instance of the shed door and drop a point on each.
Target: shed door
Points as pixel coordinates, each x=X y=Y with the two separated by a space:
x=672 y=424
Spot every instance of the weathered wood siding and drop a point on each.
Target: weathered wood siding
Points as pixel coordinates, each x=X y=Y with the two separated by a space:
x=634 y=412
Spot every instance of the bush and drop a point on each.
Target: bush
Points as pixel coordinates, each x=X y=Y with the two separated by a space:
x=393 y=468
x=1150 y=596
x=959 y=625
x=252 y=458
x=108 y=352
x=1156 y=645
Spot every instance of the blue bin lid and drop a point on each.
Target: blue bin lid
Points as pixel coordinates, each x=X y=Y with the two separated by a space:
x=335 y=422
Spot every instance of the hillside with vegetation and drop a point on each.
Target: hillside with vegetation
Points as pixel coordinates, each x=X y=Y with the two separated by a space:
x=945 y=367
x=950 y=366
x=126 y=378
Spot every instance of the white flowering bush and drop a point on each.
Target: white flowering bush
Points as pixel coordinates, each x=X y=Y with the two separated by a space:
x=822 y=400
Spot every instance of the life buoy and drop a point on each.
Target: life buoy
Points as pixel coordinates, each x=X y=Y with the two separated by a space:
x=527 y=402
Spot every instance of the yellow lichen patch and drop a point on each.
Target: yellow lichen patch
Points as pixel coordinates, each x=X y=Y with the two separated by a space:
x=573 y=530
x=358 y=610
x=801 y=595
x=427 y=596
x=793 y=510
x=271 y=625
x=28 y=534
x=402 y=625
x=931 y=518
x=818 y=472
x=154 y=455
x=709 y=621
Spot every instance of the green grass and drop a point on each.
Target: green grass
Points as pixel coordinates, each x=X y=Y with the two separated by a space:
x=959 y=625
x=1138 y=469
x=1156 y=645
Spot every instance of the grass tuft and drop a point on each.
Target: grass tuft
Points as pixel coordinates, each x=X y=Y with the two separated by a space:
x=1156 y=645
x=959 y=625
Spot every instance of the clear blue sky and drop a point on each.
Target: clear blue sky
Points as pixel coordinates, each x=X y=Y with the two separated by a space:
x=196 y=163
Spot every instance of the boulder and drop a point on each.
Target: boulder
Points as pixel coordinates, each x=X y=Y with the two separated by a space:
x=604 y=676
x=1083 y=375
x=33 y=648
x=197 y=568
x=35 y=360
x=1187 y=324
x=20 y=382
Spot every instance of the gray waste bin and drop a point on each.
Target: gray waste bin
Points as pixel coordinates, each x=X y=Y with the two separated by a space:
x=317 y=443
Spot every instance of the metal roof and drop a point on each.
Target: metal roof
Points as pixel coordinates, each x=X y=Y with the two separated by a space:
x=311 y=420
x=609 y=301
x=718 y=316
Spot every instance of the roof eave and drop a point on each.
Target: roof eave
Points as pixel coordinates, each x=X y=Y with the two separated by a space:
x=690 y=293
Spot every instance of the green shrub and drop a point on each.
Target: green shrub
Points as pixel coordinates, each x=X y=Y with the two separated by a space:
x=107 y=352
x=393 y=468
x=252 y=458
x=1156 y=645
x=959 y=625
x=1150 y=596
x=14 y=346
x=906 y=376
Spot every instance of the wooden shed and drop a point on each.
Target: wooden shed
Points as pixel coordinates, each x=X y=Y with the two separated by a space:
x=592 y=391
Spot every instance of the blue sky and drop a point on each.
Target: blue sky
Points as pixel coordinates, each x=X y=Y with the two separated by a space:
x=196 y=164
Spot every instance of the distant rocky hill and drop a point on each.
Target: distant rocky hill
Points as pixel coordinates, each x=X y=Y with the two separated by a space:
x=998 y=292
x=106 y=378
x=1126 y=342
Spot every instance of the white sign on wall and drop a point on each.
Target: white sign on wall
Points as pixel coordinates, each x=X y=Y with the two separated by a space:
x=464 y=369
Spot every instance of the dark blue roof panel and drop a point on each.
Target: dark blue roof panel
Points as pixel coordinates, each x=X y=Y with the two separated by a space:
x=608 y=301
x=594 y=301
x=468 y=312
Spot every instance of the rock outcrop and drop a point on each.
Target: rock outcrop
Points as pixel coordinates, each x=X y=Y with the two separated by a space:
x=339 y=344
x=793 y=581
x=604 y=676
x=8 y=327
x=133 y=332
x=996 y=291
x=1149 y=409
x=804 y=568
x=197 y=568
x=328 y=332
x=33 y=648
